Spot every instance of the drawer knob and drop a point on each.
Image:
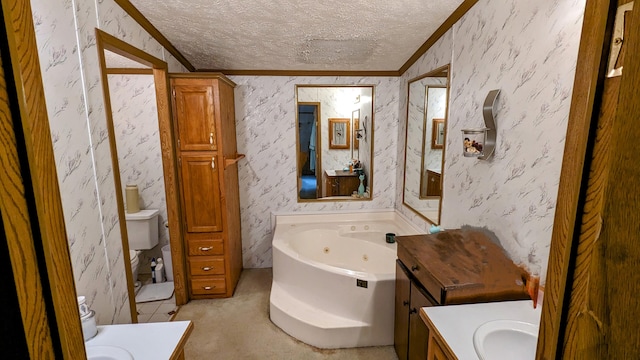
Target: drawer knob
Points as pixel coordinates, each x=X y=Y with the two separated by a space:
x=206 y=268
x=201 y=248
x=208 y=287
x=405 y=303
x=413 y=311
x=414 y=268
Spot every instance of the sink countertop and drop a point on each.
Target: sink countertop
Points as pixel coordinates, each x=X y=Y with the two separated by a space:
x=334 y=173
x=162 y=340
x=457 y=323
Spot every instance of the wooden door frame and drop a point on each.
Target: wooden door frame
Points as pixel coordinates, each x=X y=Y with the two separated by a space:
x=587 y=88
x=30 y=199
x=319 y=180
x=169 y=161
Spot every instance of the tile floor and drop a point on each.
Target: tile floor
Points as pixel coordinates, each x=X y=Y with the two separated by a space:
x=156 y=311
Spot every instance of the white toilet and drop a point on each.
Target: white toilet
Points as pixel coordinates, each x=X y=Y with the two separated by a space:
x=142 y=228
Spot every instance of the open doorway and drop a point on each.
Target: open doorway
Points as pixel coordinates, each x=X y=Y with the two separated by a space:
x=136 y=95
x=309 y=152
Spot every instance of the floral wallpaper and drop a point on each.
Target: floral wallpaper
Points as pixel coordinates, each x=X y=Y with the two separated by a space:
x=498 y=45
x=65 y=35
x=265 y=127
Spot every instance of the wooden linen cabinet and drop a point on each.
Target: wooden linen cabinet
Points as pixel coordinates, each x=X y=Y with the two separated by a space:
x=204 y=120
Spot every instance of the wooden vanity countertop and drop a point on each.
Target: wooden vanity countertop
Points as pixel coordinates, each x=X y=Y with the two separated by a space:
x=462 y=266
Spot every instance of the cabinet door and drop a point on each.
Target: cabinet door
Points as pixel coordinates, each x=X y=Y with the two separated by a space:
x=401 y=326
x=194 y=114
x=436 y=350
x=201 y=192
x=433 y=184
x=418 y=331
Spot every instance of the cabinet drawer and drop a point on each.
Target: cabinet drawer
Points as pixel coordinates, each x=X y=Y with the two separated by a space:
x=206 y=265
x=204 y=244
x=207 y=285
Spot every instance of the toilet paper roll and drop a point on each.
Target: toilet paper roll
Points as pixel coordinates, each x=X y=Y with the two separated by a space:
x=131 y=194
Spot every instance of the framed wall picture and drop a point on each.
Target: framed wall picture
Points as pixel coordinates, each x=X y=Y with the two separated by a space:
x=355 y=116
x=437 y=134
x=339 y=133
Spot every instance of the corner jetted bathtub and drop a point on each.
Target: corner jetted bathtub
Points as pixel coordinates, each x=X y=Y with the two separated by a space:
x=334 y=278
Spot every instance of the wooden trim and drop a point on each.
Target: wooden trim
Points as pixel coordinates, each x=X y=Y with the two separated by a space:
x=319 y=173
x=439 y=72
x=154 y=32
x=203 y=75
x=160 y=73
x=172 y=189
x=116 y=175
x=589 y=67
x=41 y=182
x=20 y=242
x=357 y=73
x=229 y=162
x=446 y=25
x=128 y=71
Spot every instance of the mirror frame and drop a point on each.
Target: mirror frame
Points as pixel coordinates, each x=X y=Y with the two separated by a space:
x=435 y=131
x=438 y=71
x=159 y=70
x=369 y=135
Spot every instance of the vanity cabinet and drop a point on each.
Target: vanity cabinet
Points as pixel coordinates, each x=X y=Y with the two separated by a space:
x=341 y=183
x=438 y=348
x=450 y=267
x=204 y=121
x=410 y=332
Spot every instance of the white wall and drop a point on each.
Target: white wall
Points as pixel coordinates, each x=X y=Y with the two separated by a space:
x=529 y=51
x=65 y=34
x=265 y=121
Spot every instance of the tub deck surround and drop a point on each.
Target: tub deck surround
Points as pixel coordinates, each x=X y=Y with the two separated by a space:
x=334 y=278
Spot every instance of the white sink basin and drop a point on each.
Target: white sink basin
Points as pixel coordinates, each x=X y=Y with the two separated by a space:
x=106 y=352
x=506 y=339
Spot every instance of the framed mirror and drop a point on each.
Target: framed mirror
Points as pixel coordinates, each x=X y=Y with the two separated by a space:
x=425 y=143
x=339 y=133
x=355 y=119
x=334 y=152
x=437 y=134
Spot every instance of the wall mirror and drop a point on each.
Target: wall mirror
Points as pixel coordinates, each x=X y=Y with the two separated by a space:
x=334 y=152
x=425 y=138
x=136 y=97
x=437 y=134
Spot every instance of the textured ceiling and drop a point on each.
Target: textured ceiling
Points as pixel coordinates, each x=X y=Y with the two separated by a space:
x=369 y=35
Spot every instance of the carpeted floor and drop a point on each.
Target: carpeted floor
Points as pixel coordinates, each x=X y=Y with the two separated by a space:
x=239 y=328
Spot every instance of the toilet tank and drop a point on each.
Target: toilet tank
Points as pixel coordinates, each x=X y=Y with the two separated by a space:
x=142 y=228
